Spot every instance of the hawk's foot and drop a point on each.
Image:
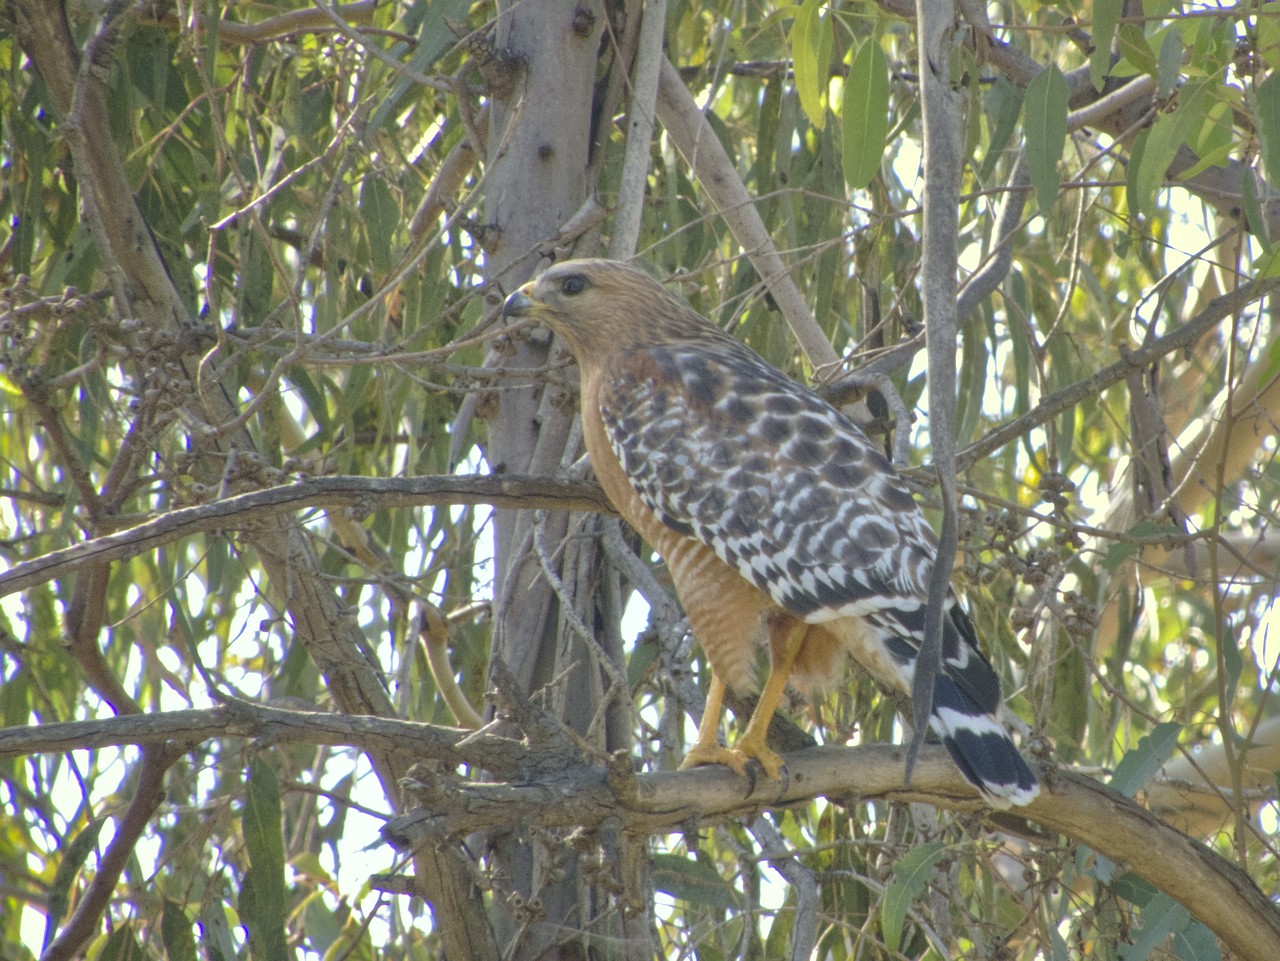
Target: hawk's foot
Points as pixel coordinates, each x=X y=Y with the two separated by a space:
x=737 y=758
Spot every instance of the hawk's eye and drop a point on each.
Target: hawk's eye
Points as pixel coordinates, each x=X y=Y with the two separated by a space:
x=573 y=284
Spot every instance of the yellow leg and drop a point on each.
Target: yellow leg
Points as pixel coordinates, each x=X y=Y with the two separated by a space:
x=752 y=744
x=706 y=749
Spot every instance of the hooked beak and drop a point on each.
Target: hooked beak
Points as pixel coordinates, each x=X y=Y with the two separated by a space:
x=518 y=304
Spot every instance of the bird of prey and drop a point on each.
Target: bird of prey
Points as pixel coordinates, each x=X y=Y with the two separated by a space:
x=780 y=522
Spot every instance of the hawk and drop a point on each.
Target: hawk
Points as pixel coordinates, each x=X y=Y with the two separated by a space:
x=780 y=522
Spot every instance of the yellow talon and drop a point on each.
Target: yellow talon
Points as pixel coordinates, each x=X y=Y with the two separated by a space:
x=736 y=758
x=751 y=746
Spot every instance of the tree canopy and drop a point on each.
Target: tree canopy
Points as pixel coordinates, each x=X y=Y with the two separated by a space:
x=317 y=637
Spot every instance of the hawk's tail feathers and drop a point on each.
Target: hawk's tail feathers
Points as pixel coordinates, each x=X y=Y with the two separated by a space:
x=981 y=747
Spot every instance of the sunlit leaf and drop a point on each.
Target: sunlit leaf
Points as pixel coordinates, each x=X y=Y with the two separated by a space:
x=811 y=56
x=692 y=880
x=1045 y=113
x=910 y=875
x=865 y=115
x=1140 y=764
x=1106 y=14
x=1268 y=100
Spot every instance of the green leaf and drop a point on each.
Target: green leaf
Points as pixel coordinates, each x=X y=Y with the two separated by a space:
x=176 y=933
x=1106 y=14
x=122 y=945
x=865 y=114
x=910 y=875
x=263 y=837
x=1169 y=62
x=1046 y=131
x=1003 y=107
x=778 y=942
x=1195 y=942
x=1266 y=41
x=1138 y=765
x=1148 y=165
x=692 y=880
x=1133 y=45
x=262 y=896
x=73 y=859
x=1232 y=661
x=380 y=216
x=1268 y=106
x=1211 y=136
x=1160 y=918
x=1134 y=889
x=215 y=932
x=811 y=59
x=1058 y=946
x=1257 y=224
x=642 y=659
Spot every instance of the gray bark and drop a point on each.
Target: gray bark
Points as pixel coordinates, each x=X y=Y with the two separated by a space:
x=553 y=589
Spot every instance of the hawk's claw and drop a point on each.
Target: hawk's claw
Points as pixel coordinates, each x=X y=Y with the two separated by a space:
x=739 y=759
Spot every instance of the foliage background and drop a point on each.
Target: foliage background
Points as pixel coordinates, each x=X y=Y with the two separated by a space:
x=246 y=246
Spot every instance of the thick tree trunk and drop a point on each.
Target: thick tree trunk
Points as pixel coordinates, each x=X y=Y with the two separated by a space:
x=555 y=600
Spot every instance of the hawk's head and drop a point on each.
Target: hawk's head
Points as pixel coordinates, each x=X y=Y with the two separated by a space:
x=601 y=306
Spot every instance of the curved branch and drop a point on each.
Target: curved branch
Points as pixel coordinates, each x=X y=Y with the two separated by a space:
x=578 y=794
x=306 y=20
x=363 y=494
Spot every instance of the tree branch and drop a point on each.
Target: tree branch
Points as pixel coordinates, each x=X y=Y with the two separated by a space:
x=586 y=795
x=1184 y=337
x=702 y=150
x=942 y=164
x=306 y=20
x=361 y=494
x=983 y=282
x=635 y=162
x=147 y=797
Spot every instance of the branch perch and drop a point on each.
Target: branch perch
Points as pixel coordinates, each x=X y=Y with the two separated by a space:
x=587 y=795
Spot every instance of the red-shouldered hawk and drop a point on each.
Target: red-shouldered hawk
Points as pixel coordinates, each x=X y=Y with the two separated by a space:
x=779 y=520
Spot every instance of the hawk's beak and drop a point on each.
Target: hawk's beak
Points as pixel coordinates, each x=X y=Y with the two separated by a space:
x=518 y=304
